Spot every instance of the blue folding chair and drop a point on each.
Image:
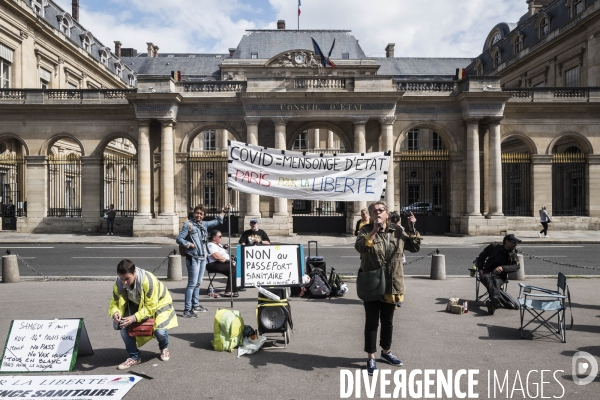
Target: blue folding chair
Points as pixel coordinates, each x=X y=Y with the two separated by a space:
x=546 y=301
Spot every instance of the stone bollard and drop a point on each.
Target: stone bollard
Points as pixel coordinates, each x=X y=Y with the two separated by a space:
x=174 y=271
x=438 y=267
x=520 y=274
x=10 y=269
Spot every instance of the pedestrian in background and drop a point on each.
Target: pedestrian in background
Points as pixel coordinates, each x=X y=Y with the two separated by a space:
x=364 y=219
x=110 y=220
x=544 y=219
x=381 y=245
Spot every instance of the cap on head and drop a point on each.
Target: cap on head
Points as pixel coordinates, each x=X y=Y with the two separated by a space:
x=254 y=221
x=512 y=238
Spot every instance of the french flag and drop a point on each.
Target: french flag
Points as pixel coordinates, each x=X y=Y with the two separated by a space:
x=299 y=4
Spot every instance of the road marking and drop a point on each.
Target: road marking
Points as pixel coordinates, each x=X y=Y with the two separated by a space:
x=10 y=247
x=549 y=245
x=350 y=256
x=123 y=247
x=117 y=257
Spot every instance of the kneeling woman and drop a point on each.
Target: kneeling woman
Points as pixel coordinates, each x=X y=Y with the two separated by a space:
x=137 y=296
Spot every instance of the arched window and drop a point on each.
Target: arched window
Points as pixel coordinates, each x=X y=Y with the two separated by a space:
x=104 y=54
x=65 y=23
x=496 y=56
x=576 y=6
x=496 y=38
x=86 y=41
x=544 y=27
x=518 y=44
x=413 y=139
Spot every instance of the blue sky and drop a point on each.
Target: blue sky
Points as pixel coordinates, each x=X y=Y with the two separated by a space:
x=419 y=28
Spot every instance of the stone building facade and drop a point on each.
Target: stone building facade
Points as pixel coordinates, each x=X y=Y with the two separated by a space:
x=477 y=155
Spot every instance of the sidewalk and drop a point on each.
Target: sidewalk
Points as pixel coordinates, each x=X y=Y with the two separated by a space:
x=327 y=339
x=528 y=237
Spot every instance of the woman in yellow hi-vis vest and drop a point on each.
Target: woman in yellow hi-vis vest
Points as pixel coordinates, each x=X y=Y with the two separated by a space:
x=137 y=296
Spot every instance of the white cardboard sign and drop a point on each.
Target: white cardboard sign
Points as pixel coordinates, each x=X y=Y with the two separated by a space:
x=81 y=387
x=270 y=265
x=44 y=345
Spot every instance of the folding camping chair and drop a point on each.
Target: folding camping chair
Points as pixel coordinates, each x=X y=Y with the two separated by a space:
x=483 y=297
x=551 y=301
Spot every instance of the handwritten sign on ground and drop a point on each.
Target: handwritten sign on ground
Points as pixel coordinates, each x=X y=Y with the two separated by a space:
x=44 y=345
x=81 y=387
x=306 y=176
x=272 y=265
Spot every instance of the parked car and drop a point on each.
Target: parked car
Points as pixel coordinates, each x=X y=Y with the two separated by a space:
x=418 y=208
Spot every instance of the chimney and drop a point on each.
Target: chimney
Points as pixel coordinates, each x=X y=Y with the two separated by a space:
x=128 y=52
x=75 y=8
x=281 y=24
x=389 y=50
x=536 y=5
x=231 y=51
x=152 y=50
x=118 y=49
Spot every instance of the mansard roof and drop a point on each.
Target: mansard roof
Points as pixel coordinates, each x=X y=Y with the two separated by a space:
x=267 y=43
x=51 y=15
x=201 y=65
x=419 y=67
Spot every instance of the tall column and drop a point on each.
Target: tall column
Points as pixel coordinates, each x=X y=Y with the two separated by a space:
x=252 y=200
x=144 y=174
x=315 y=139
x=281 y=204
x=593 y=200
x=495 y=170
x=541 y=165
x=387 y=136
x=360 y=146
x=486 y=171
x=37 y=186
x=167 y=170
x=92 y=193
x=222 y=134
x=330 y=144
x=473 y=183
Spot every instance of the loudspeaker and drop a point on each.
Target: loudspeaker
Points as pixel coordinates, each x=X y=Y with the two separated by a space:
x=272 y=318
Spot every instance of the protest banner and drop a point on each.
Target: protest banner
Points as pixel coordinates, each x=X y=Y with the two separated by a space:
x=270 y=265
x=306 y=176
x=81 y=387
x=44 y=345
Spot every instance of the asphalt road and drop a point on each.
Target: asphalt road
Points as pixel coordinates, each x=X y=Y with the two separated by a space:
x=101 y=260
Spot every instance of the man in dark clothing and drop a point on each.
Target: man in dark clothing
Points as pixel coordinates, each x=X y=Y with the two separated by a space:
x=254 y=236
x=494 y=263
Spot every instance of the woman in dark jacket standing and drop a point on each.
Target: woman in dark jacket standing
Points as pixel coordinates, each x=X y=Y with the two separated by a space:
x=382 y=244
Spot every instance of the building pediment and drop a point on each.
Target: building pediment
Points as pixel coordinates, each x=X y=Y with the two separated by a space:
x=295 y=58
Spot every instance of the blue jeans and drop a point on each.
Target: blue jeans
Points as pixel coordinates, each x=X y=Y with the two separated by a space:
x=110 y=223
x=195 y=269
x=161 y=335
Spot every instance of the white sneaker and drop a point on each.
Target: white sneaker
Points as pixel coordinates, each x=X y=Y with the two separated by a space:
x=539 y=235
x=108 y=234
x=547 y=237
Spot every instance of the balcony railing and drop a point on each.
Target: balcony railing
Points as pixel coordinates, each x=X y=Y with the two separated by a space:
x=412 y=86
x=215 y=86
x=553 y=94
x=320 y=83
x=52 y=96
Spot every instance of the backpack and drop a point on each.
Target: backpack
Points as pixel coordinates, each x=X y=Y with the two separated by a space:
x=318 y=285
x=228 y=330
x=182 y=249
x=338 y=288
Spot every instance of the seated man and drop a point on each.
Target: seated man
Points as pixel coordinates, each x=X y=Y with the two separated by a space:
x=494 y=264
x=218 y=260
x=254 y=236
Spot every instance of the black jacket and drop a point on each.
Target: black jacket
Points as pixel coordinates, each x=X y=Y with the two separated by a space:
x=496 y=255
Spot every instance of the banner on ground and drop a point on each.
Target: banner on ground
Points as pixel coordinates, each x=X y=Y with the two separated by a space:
x=306 y=176
x=81 y=387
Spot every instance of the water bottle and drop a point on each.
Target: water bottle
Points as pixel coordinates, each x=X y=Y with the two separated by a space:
x=211 y=292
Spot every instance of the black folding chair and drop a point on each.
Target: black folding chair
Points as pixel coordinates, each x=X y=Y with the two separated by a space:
x=550 y=301
x=484 y=296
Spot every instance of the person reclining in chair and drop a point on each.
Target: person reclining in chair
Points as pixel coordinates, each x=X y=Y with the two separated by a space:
x=494 y=264
x=218 y=261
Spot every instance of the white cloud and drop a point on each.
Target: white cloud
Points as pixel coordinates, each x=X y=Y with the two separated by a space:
x=433 y=28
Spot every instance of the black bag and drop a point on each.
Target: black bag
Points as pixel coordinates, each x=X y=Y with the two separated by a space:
x=370 y=285
x=335 y=283
x=508 y=301
x=318 y=286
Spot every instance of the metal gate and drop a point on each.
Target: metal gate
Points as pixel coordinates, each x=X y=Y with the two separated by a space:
x=12 y=183
x=207 y=185
x=311 y=216
x=516 y=184
x=120 y=175
x=569 y=184
x=423 y=181
x=64 y=185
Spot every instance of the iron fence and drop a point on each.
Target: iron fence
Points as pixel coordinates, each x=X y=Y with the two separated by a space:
x=13 y=201
x=64 y=185
x=569 y=179
x=120 y=184
x=516 y=184
x=423 y=181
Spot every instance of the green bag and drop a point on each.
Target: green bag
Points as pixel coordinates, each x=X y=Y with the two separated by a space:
x=370 y=285
x=228 y=330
